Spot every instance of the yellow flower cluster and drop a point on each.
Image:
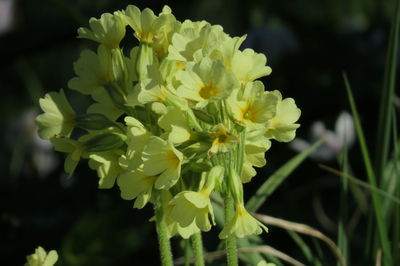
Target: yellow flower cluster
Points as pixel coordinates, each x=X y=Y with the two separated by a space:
x=174 y=119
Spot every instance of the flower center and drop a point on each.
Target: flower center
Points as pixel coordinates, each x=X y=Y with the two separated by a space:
x=208 y=91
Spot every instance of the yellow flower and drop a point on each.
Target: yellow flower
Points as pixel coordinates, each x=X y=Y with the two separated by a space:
x=93 y=71
x=161 y=158
x=205 y=81
x=282 y=126
x=189 y=206
x=173 y=226
x=137 y=138
x=107 y=166
x=248 y=66
x=41 y=258
x=108 y=30
x=136 y=184
x=176 y=125
x=253 y=105
x=74 y=148
x=195 y=40
x=242 y=224
x=58 y=117
x=256 y=144
x=222 y=140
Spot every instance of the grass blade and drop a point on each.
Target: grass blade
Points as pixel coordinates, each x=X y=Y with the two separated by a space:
x=343 y=241
x=277 y=178
x=389 y=83
x=382 y=229
x=362 y=184
x=302 y=245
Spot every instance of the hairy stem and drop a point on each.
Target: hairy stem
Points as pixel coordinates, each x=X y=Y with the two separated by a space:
x=163 y=239
x=230 y=242
x=198 y=249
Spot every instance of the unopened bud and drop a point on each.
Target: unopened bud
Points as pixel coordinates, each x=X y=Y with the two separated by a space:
x=215 y=176
x=236 y=187
x=105 y=142
x=145 y=58
x=93 y=121
x=203 y=116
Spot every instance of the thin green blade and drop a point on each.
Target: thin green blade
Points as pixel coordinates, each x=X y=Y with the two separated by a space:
x=277 y=178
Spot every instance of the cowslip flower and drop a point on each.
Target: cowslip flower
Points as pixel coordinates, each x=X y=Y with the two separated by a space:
x=93 y=71
x=58 y=117
x=135 y=184
x=242 y=224
x=222 y=140
x=175 y=123
x=282 y=126
x=189 y=206
x=253 y=105
x=109 y=29
x=248 y=65
x=107 y=166
x=205 y=82
x=137 y=138
x=161 y=158
x=42 y=258
x=73 y=148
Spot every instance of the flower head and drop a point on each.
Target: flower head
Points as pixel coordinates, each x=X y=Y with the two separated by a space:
x=42 y=258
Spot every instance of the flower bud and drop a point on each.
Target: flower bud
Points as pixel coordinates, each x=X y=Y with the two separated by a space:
x=236 y=187
x=104 y=142
x=203 y=116
x=93 y=121
x=118 y=98
x=214 y=177
x=120 y=69
x=144 y=59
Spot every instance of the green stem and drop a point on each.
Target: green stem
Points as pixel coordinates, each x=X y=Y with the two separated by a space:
x=187 y=251
x=198 y=249
x=230 y=242
x=163 y=239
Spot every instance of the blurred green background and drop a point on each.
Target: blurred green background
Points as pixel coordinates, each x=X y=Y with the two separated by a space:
x=308 y=44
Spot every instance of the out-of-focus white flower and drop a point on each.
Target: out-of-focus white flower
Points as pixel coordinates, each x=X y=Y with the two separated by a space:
x=343 y=136
x=6 y=15
x=26 y=144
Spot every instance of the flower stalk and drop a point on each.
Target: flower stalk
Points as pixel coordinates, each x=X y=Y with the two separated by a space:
x=198 y=249
x=230 y=242
x=163 y=238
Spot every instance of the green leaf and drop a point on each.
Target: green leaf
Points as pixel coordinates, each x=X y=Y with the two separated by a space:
x=377 y=205
x=277 y=178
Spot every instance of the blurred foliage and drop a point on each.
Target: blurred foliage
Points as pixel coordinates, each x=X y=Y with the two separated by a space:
x=308 y=44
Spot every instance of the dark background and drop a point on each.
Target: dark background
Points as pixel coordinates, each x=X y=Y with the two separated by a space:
x=308 y=43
